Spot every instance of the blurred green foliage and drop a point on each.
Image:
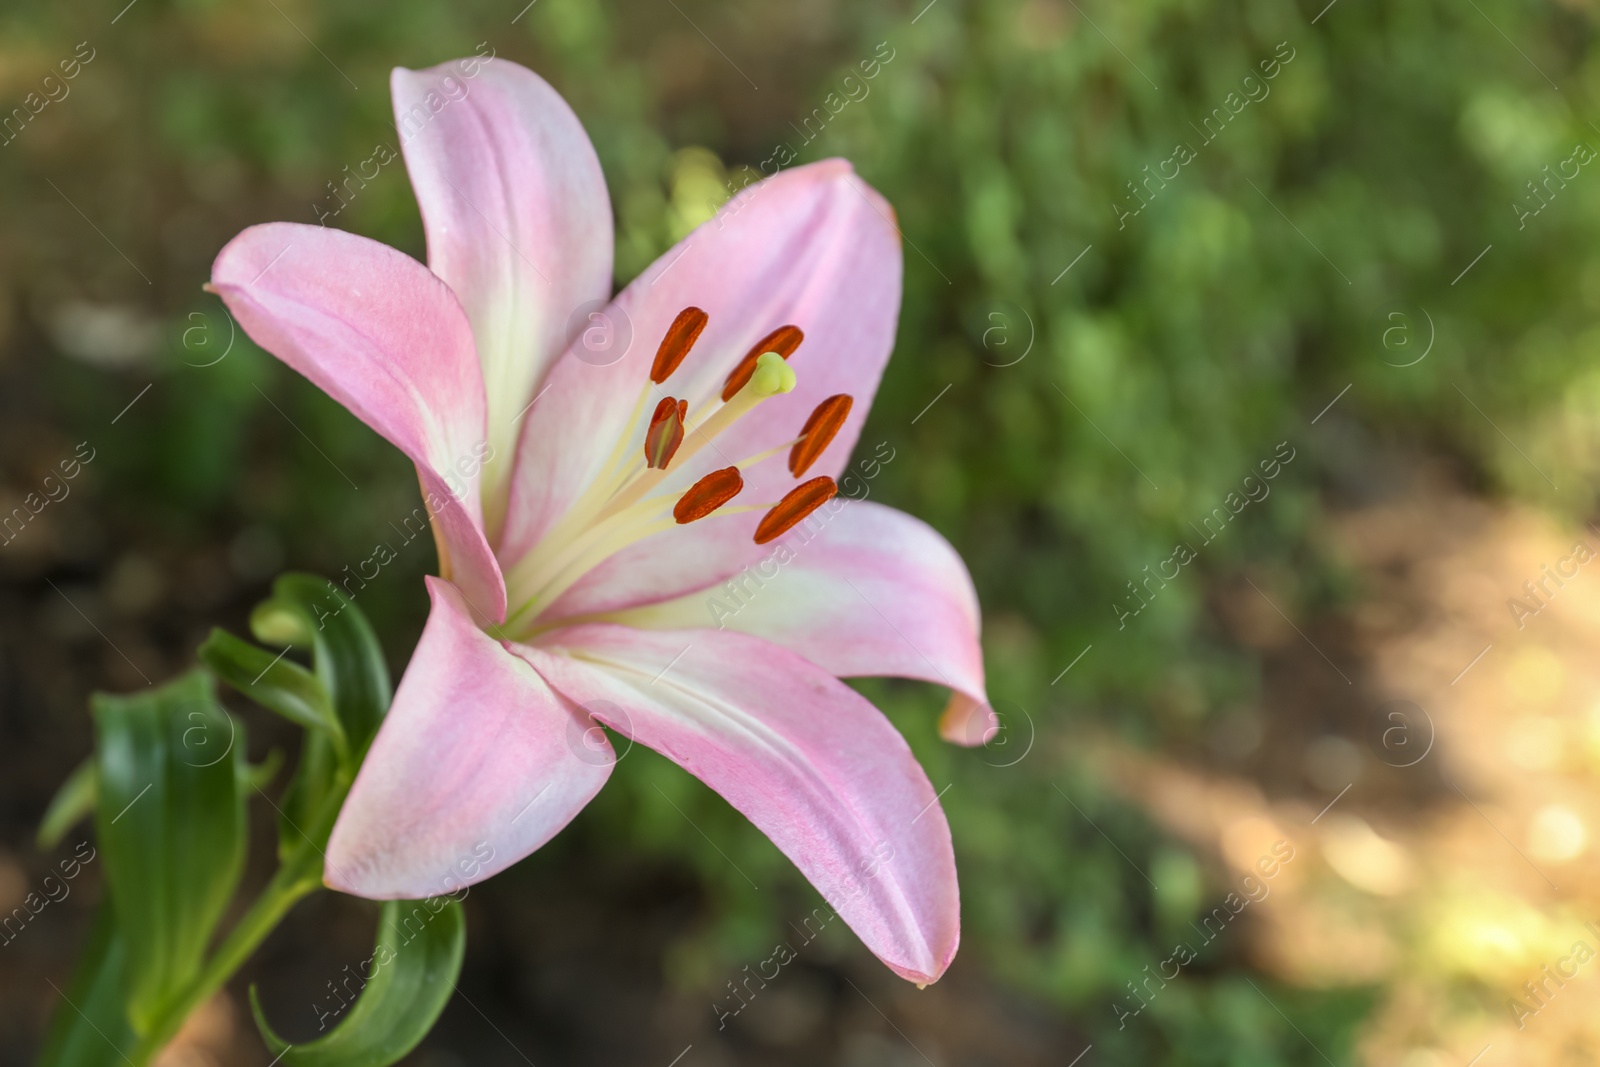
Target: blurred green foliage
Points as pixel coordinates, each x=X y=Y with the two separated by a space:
x=1315 y=243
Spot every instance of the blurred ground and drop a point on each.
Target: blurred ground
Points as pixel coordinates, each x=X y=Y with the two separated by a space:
x=1442 y=800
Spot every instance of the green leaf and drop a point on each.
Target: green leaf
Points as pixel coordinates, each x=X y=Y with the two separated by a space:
x=260 y=775
x=171 y=822
x=89 y=1028
x=306 y=610
x=317 y=785
x=309 y=612
x=407 y=981
x=275 y=683
x=72 y=802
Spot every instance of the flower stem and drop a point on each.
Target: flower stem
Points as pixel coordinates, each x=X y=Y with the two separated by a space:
x=286 y=889
x=298 y=876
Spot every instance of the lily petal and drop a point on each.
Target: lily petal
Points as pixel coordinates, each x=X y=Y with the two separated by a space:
x=375 y=330
x=518 y=224
x=861 y=590
x=477 y=764
x=814 y=247
x=817 y=768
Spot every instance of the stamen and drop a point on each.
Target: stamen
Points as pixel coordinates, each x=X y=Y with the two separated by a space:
x=665 y=434
x=751 y=461
x=708 y=494
x=617 y=509
x=818 y=432
x=582 y=556
x=681 y=336
x=799 y=502
x=784 y=340
x=771 y=377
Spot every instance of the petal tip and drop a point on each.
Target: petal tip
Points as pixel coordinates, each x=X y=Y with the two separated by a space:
x=968 y=721
x=926 y=975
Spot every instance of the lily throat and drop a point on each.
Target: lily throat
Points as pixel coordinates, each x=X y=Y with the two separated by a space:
x=628 y=499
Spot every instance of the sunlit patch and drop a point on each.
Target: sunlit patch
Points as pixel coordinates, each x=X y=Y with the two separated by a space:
x=1556 y=833
x=1536 y=676
x=1245 y=839
x=1535 y=742
x=1492 y=936
x=1364 y=859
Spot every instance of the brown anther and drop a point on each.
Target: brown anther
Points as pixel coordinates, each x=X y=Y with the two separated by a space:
x=665 y=434
x=708 y=494
x=681 y=336
x=799 y=502
x=784 y=340
x=818 y=432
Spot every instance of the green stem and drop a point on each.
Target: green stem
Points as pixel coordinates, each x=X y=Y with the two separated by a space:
x=287 y=887
x=298 y=876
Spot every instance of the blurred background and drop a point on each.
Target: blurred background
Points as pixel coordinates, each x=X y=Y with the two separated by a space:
x=1309 y=289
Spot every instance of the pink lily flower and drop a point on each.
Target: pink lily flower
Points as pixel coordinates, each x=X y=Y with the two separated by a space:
x=634 y=509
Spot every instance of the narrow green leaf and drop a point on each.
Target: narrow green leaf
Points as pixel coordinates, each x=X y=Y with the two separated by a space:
x=274 y=623
x=88 y=1027
x=171 y=822
x=275 y=683
x=309 y=612
x=404 y=986
x=260 y=775
x=346 y=656
x=72 y=802
x=317 y=784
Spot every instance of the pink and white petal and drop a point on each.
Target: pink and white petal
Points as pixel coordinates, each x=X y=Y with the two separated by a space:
x=861 y=590
x=814 y=247
x=477 y=764
x=375 y=330
x=817 y=768
x=518 y=223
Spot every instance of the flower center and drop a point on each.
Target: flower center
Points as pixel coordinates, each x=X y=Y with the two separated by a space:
x=625 y=503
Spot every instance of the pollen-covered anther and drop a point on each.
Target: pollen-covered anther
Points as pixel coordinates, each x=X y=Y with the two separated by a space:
x=799 y=502
x=665 y=434
x=681 y=336
x=708 y=494
x=818 y=432
x=784 y=340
